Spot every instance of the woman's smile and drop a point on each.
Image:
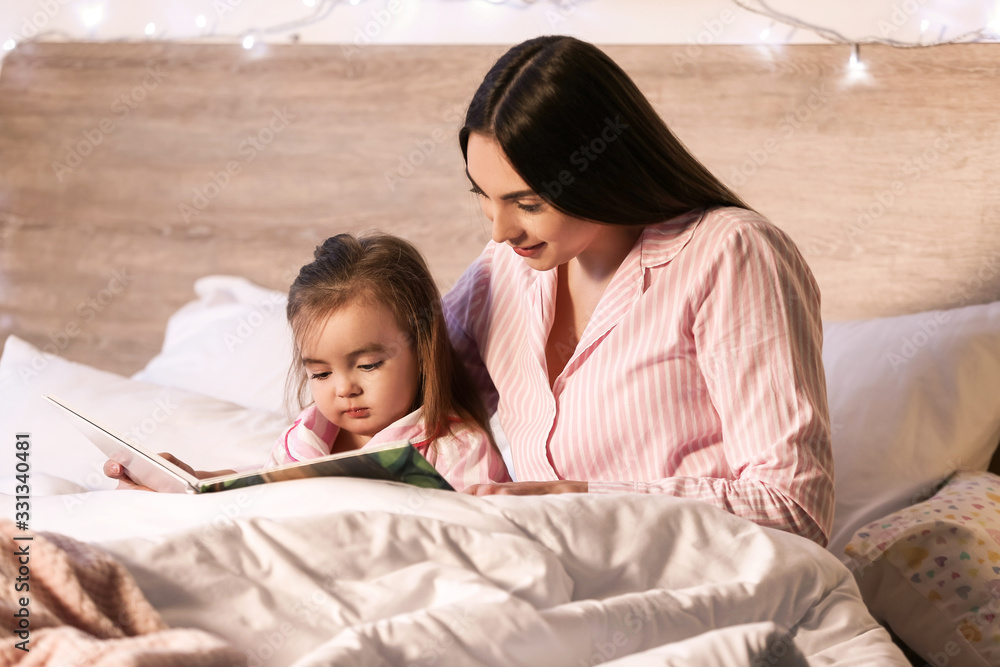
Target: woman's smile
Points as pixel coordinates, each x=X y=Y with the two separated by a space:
x=529 y=251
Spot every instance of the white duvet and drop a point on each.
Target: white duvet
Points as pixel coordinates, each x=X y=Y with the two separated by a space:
x=355 y=572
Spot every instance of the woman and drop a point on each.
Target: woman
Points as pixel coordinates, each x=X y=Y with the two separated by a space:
x=639 y=328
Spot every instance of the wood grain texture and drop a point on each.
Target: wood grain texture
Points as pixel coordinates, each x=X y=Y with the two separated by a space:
x=886 y=181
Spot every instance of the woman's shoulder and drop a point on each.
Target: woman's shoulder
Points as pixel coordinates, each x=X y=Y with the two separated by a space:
x=700 y=233
x=728 y=220
x=732 y=229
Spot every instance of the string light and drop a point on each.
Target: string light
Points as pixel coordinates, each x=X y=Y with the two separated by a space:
x=995 y=23
x=855 y=64
x=990 y=33
x=91 y=16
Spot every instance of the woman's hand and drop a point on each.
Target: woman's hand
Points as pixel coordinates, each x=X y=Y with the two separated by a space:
x=527 y=488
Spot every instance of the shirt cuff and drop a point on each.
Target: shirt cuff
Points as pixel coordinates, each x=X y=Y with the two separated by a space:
x=616 y=487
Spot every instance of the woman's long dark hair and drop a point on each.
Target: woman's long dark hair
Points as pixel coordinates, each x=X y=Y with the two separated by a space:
x=580 y=133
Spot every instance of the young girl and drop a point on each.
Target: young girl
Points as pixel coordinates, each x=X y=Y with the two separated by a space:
x=372 y=351
x=372 y=348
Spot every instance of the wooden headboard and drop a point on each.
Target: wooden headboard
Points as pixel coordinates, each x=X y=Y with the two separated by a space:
x=130 y=170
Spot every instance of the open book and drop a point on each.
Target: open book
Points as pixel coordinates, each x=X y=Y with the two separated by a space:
x=395 y=461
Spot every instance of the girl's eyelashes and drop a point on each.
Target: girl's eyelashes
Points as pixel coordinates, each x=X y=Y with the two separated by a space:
x=367 y=368
x=476 y=191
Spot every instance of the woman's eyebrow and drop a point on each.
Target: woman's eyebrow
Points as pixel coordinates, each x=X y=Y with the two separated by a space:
x=507 y=197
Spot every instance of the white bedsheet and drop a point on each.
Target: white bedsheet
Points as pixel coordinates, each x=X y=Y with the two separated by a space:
x=355 y=572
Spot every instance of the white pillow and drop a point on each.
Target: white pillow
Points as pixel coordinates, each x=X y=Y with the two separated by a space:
x=205 y=432
x=233 y=343
x=912 y=399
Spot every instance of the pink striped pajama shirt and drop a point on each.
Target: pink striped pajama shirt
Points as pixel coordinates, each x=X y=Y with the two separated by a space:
x=699 y=374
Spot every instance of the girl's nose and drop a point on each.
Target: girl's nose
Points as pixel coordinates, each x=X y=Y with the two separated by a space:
x=346 y=387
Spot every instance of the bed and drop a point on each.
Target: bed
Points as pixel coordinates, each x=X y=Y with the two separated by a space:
x=156 y=200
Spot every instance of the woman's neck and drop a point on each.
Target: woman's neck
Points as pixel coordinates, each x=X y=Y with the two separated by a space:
x=598 y=263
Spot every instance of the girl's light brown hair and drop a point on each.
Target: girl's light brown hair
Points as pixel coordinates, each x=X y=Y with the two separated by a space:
x=379 y=268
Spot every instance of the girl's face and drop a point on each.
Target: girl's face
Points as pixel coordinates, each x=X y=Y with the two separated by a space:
x=543 y=236
x=362 y=369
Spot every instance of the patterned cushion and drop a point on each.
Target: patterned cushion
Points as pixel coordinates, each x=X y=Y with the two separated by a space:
x=932 y=571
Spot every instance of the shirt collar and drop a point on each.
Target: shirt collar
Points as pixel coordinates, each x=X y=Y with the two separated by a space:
x=660 y=243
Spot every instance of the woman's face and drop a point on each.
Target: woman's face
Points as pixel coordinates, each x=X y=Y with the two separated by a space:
x=362 y=369
x=543 y=236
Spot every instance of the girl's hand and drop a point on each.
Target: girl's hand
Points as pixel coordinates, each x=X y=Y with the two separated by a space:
x=116 y=471
x=527 y=488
